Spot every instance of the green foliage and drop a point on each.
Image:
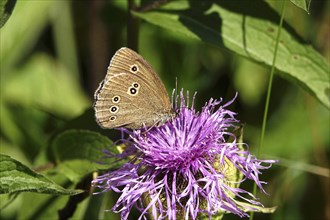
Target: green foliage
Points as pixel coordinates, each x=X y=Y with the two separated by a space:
x=38 y=81
x=54 y=53
x=82 y=144
x=252 y=35
x=79 y=152
x=6 y=8
x=16 y=177
x=303 y=4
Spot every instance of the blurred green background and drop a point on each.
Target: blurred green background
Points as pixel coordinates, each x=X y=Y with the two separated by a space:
x=55 y=53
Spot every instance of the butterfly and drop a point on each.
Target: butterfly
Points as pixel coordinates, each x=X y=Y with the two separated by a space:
x=131 y=95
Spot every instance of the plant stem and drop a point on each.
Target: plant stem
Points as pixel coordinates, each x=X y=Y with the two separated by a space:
x=132 y=27
x=270 y=83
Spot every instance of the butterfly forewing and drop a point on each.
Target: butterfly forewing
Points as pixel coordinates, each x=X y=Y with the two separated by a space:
x=131 y=95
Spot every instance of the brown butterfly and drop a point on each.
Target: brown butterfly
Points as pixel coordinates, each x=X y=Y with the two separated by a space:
x=131 y=95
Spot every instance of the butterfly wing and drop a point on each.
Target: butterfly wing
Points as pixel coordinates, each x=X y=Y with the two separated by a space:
x=131 y=95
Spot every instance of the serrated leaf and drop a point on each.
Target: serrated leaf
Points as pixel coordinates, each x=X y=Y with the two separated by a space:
x=6 y=8
x=303 y=4
x=16 y=177
x=250 y=31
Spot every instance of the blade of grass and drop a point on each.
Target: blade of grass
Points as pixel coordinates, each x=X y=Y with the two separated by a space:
x=269 y=90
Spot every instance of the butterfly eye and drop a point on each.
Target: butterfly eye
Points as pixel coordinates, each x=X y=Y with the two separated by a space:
x=134 y=68
x=132 y=91
x=116 y=99
x=112 y=118
x=114 y=109
x=136 y=85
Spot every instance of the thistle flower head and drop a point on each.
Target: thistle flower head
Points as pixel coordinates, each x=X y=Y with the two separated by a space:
x=190 y=166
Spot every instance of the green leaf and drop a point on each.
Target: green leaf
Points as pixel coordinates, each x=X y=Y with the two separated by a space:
x=16 y=42
x=232 y=174
x=75 y=170
x=42 y=207
x=46 y=84
x=303 y=4
x=81 y=144
x=250 y=31
x=248 y=207
x=217 y=216
x=79 y=152
x=16 y=177
x=6 y=8
x=48 y=206
x=7 y=124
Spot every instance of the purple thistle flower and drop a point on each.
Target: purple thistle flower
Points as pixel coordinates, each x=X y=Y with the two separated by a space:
x=191 y=166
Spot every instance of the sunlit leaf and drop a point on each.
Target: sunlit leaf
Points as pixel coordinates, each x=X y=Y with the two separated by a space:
x=248 y=207
x=6 y=8
x=16 y=177
x=303 y=4
x=250 y=31
x=46 y=206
